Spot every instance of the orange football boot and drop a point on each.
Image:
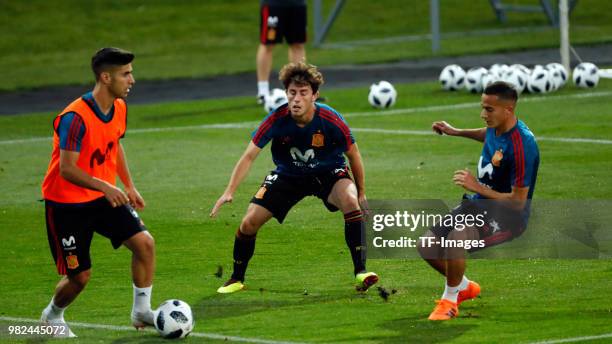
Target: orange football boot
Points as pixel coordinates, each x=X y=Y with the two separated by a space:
x=472 y=291
x=445 y=310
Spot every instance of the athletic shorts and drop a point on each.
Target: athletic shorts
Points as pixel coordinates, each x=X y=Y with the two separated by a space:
x=70 y=228
x=279 y=193
x=278 y=22
x=501 y=224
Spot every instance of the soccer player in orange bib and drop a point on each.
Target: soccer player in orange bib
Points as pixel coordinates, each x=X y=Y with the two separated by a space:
x=81 y=195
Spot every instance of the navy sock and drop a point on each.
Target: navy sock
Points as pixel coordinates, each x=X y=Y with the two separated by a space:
x=354 y=234
x=244 y=246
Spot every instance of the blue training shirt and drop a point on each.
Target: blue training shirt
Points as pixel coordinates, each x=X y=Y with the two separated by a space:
x=509 y=160
x=316 y=148
x=71 y=130
x=71 y=127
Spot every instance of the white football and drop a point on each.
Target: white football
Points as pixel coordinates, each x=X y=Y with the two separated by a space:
x=539 y=80
x=586 y=75
x=499 y=69
x=173 y=319
x=517 y=78
x=558 y=74
x=452 y=77
x=473 y=79
x=521 y=67
x=488 y=78
x=276 y=98
x=382 y=95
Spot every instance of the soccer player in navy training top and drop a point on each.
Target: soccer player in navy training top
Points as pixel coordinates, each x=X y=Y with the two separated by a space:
x=507 y=171
x=309 y=142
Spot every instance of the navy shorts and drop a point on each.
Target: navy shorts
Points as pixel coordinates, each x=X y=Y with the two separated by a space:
x=70 y=228
x=501 y=224
x=279 y=193
x=278 y=22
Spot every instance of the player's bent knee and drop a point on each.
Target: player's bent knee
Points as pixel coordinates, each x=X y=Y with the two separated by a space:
x=148 y=245
x=81 y=279
x=142 y=245
x=348 y=203
x=249 y=226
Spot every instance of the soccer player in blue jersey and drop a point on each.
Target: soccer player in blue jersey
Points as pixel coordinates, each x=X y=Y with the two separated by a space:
x=309 y=142
x=507 y=171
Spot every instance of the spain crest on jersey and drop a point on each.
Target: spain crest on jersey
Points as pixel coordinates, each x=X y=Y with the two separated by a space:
x=72 y=261
x=497 y=158
x=318 y=140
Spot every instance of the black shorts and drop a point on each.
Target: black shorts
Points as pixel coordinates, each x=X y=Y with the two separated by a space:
x=277 y=22
x=70 y=229
x=501 y=224
x=279 y=193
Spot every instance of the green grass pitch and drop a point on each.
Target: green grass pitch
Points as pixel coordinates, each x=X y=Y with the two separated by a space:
x=299 y=281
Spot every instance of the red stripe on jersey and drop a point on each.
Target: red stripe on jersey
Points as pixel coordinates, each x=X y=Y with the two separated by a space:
x=59 y=254
x=334 y=119
x=497 y=238
x=75 y=130
x=70 y=142
x=267 y=124
x=522 y=150
x=265 y=13
x=515 y=152
x=519 y=159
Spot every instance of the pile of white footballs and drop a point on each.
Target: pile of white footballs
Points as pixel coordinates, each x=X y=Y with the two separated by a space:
x=540 y=79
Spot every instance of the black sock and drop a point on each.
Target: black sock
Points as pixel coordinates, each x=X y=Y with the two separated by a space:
x=354 y=234
x=244 y=246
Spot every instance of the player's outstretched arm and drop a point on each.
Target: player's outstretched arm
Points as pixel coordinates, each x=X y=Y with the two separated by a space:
x=238 y=174
x=443 y=128
x=126 y=178
x=356 y=164
x=72 y=173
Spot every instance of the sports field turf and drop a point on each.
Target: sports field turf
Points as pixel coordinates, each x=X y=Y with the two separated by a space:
x=299 y=281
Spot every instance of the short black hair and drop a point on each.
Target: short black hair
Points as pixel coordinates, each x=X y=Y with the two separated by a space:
x=111 y=56
x=502 y=90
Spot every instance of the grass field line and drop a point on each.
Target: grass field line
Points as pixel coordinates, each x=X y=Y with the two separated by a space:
x=575 y=339
x=433 y=108
x=130 y=328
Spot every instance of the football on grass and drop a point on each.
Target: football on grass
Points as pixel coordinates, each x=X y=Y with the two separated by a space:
x=173 y=319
